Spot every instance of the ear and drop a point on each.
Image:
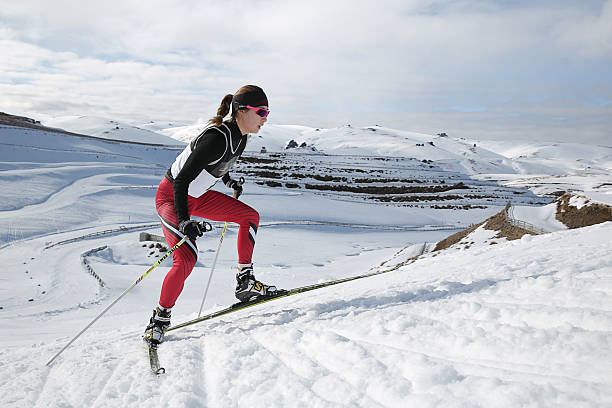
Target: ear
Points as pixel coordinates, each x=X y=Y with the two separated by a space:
x=240 y=113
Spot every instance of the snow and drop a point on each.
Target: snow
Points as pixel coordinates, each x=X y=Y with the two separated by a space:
x=540 y=217
x=553 y=159
x=519 y=323
x=588 y=198
x=479 y=237
x=549 y=168
x=600 y=197
x=578 y=201
x=108 y=129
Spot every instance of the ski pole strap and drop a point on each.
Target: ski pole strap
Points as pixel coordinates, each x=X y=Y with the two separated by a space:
x=205 y=226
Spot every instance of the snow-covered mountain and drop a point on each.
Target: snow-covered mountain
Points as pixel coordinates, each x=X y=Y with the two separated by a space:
x=521 y=322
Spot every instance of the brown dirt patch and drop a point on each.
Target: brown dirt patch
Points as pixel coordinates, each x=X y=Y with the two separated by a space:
x=590 y=214
x=386 y=190
x=499 y=222
x=456 y=237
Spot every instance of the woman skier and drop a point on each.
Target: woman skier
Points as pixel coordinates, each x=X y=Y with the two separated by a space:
x=186 y=191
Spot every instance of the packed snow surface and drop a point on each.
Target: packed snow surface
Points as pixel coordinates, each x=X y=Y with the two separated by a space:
x=519 y=323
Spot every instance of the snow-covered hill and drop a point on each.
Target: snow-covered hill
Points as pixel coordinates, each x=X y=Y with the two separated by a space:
x=553 y=158
x=515 y=163
x=457 y=155
x=108 y=129
x=544 y=169
x=518 y=323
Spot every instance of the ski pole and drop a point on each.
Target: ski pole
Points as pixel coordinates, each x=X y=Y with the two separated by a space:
x=212 y=269
x=206 y=227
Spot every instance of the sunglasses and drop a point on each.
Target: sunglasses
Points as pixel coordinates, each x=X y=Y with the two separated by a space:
x=263 y=112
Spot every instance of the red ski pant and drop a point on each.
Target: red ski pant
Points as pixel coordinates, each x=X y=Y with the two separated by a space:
x=211 y=205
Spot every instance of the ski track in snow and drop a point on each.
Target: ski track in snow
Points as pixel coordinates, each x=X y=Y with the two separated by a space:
x=529 y=331
x=364 y=343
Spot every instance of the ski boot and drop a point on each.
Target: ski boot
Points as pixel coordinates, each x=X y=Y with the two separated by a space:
x=248 y=288
x=159 y=323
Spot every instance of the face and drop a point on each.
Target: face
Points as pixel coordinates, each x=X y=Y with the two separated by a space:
x=249 y=121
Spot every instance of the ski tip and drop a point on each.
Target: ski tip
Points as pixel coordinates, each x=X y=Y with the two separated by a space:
x=160 y=370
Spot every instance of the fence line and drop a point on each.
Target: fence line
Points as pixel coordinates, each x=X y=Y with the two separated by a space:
x=101 y=233
x=520 y=223
x=88 y=267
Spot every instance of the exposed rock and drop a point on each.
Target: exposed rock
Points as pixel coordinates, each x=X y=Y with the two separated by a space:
x=291 y=145
x=590 y=213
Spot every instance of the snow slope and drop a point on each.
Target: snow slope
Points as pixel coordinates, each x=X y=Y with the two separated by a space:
x=529 y=327
x=455 y=154
x=521 y=323
x=541 y=217
x=57 y=182
x=555 y=158
x=550 y=168
x=107 y=129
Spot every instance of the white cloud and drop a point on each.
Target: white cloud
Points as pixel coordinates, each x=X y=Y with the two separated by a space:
x=409 y=63
x=587 y=34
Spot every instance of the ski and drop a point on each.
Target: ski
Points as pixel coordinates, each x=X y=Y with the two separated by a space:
x=156 y=367
x=284 y=293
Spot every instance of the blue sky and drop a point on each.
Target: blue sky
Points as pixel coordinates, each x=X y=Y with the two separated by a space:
x=537 y=70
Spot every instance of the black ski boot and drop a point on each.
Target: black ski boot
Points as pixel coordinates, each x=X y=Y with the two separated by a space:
x=248 y=288
x=159 y=323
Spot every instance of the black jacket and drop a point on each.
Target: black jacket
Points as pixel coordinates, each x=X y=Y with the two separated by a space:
x=214 y=152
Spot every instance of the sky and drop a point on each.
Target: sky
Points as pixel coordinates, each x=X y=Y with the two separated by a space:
x=512 y=70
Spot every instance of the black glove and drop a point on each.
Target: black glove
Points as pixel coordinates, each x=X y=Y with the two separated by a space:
x=236 y=185
x=191 y=228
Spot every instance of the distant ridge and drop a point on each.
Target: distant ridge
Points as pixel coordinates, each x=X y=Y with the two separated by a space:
x=25 y=122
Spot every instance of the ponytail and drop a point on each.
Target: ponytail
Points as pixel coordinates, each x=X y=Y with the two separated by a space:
x=224 y=109
x=246 y=95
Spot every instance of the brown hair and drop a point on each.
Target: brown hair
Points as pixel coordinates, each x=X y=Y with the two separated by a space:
x=224 y=108
x=226 y=103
